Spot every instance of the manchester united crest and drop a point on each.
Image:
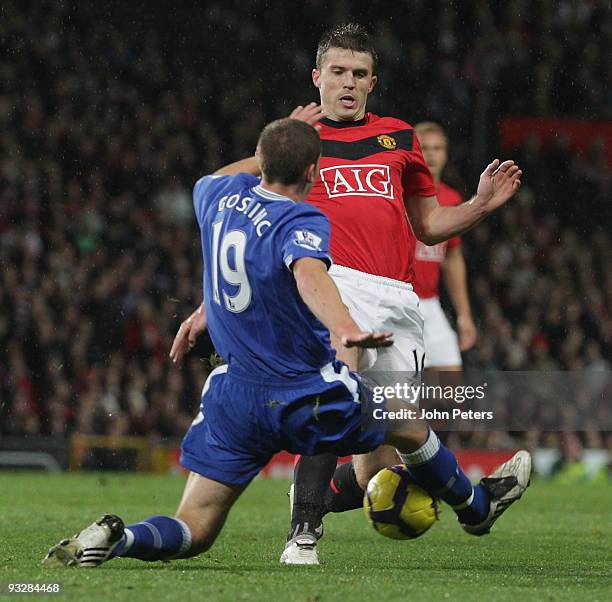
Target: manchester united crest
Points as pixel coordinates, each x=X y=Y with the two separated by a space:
x=387 y=142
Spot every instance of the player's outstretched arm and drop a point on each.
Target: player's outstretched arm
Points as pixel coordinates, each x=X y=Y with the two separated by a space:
x=248 y=165
x=311 y=114
x=320 y=294
x=455 y=280
x=432 y=223
x=187 y=334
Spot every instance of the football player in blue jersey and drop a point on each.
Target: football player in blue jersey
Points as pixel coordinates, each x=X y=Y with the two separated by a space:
x=270 y=306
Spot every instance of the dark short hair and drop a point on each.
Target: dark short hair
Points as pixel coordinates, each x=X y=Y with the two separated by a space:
x=286 y=148
x=350 y=36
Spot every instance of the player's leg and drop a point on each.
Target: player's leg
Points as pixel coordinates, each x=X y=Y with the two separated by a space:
x=350 y=479
x=198 y=521
x=441 y=341
x=435 y=468
x=436 y=472
x=366 y=301
x=443 y=364
x=431 y=464
x=313 y=474
x=221 y=451
x=311 y=481
x=344 y=491
x=200 y=516
x=396 y=310
x=311 y=477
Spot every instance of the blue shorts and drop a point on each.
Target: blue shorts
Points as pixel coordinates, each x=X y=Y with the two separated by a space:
x=241 y=425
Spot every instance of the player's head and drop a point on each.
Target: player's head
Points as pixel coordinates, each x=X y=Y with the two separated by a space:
x=434 y=145
x=344 y=73
x=288 y=151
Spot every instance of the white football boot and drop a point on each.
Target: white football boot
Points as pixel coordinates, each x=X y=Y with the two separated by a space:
x=301 y=549
x=89 y=548
x=505 y=486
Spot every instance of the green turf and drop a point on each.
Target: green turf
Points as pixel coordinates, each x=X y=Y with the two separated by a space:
x=555 y=544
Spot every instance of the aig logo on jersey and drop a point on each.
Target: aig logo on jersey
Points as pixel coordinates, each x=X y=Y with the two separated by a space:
x=304 y=238
x=358 y=180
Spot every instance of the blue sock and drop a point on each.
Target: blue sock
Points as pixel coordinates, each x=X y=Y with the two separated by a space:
x=155 y=538
x=434 y=467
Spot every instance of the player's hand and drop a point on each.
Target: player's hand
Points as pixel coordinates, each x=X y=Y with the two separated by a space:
x=498 y=183
x=466 y=329
x=311 y=114
x=368 y=339
x=187 y=334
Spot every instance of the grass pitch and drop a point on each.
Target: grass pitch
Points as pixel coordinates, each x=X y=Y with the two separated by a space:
x=555 y=544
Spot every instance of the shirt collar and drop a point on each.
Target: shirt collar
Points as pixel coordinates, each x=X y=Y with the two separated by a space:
x=343 y=124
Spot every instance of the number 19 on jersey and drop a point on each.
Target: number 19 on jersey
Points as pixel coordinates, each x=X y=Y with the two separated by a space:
x=234 y=243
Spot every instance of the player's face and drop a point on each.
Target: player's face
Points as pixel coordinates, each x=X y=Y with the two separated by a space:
x=344 y=81
x=435 y=152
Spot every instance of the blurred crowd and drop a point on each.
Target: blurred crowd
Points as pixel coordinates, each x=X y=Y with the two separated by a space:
x=109 y=113
x=542 y=291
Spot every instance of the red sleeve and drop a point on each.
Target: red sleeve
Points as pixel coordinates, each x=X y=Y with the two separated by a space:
x=417 y=180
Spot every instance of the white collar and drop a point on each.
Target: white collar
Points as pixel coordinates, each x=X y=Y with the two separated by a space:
x=268 y=194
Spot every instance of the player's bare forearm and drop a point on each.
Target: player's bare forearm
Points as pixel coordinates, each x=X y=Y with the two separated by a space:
x=455 y=279
x=454 y=274
x=320 y=294
x=248 y=165
x=432 y=223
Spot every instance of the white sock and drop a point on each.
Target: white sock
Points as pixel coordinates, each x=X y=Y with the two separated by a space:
x=425 y=453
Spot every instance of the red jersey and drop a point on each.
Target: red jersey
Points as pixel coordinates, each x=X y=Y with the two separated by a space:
x=427 y=260
x=368 y=170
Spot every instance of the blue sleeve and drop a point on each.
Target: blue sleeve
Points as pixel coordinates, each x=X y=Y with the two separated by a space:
x=209 y=188
x=307 y=235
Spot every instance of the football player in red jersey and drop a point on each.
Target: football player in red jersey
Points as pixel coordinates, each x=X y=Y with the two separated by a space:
x=443 y=347
x=373 y=178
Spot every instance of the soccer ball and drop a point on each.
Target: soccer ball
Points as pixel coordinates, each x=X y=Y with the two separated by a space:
x=396 y=507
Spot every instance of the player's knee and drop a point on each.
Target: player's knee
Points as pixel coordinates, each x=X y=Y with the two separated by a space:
x=409 y=437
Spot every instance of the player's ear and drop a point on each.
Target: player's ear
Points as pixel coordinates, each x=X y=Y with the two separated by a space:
x=311 y=173
x=316 y=78
x=373 y=82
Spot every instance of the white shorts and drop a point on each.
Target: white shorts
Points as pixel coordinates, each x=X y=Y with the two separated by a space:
x=441 y=342
x=382 y=304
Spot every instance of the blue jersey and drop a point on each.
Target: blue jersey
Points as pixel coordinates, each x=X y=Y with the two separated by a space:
x=250 y=239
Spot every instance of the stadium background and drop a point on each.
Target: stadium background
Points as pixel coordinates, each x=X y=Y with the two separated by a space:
x=110 y=111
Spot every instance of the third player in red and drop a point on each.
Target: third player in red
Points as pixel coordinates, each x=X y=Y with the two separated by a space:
x=442 y=346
